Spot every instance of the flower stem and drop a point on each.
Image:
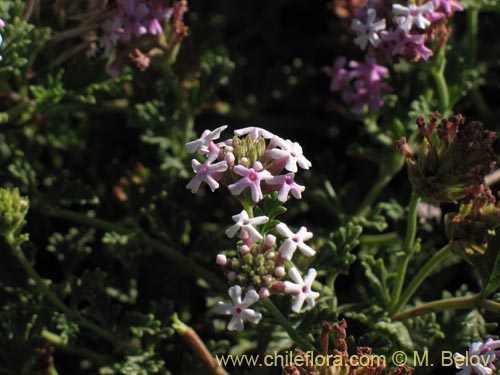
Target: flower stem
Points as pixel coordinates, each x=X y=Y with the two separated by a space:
x=474 y=301
x=411 y=231
x=280 y=318
x=198 y=346
x=422 y=275
x=379 y=239
x=437 y=72
x=44 y=289
x=189 y=265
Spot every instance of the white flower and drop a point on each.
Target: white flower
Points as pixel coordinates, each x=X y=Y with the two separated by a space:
x=301 y=288
x=291 y=152
x=254 y=132
x=368 y=32
x=204 y=144
x=245 y=224
x=479 y=359
x=239 y=309
x=294 y=241
x=206 y=172
x=411 y=15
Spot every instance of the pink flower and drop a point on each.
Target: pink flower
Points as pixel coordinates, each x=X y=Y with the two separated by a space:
x=205 y=143
x=294 y=241
x=367 y=32
x=402 y=42
x=239 y=309
x=448 y=7
x=245 y=225
x=290 y=153
x=369 y=72
x=286 y=184
x=411 y=15
x=254 y=132
x=337 y=73
x=133 y=14
x=206 y=172
x=252 y=178
x=301 y=289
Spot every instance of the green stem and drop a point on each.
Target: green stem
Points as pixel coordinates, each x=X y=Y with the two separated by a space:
x=474 y=301
x=44 y=289
x=472 y=28
x=379 y=239
x=280 y=318
x=411 y=231
x=437 y=73
x=422 y=275
x=386 y=173
x=189 y=265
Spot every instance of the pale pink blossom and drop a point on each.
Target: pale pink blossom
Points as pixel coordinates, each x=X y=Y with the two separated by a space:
x=301 y=289
x=294 y=241
x=245 y=225
x=239 y=309
x=206 y=172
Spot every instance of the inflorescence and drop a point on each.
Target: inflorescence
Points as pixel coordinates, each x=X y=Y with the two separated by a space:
x=417 y=32
x=253 y=165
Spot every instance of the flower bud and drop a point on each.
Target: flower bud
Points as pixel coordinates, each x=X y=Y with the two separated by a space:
x=279 y=272
x=264 y=293
x=221 y=260
x=231 y=276
x=244 y=250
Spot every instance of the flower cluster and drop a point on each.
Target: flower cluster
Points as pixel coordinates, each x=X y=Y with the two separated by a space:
x=414 y=28
x=255 y=164
x=361 y=86
x=2 y=25
x=481 y=358
x=454 y=158
x=135 y=19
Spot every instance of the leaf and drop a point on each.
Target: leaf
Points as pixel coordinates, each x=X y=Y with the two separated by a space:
x=377 y=274
x=335 y=256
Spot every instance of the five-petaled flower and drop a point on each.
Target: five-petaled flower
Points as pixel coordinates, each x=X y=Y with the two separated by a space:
x=239 y=309
x=368 y=32
x=286 y=184
x=206 y=172
x=205 y=144
x=411 y=15
x=301 y=289
x=290 y=153
x=251 y=178
x=294 y=241
x=245 y=224
x=479 y=360
x=254 y=132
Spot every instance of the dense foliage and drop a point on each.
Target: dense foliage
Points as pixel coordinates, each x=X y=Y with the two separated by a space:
x=109 y=264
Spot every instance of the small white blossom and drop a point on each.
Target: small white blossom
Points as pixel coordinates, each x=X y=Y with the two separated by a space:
x=239 y=309
x=294 y=241
x=206 y=172
x=368 y=32
x=479 y=360
x=291 y=152
x=254 y=132
x=301 y=289
x=411 y=15
x=205 y=144
x=245 y=224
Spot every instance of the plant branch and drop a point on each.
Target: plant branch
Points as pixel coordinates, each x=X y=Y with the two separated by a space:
x=287 y=326
x=474 y=301
x=197 y=346
x=189 y=265
x=422 y=275
x=411 y=230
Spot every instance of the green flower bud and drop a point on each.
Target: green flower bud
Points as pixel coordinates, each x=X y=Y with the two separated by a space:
x=256 y=280
x=13 y=210
x=260 y=260
x=235 y=264
x=248 y=259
